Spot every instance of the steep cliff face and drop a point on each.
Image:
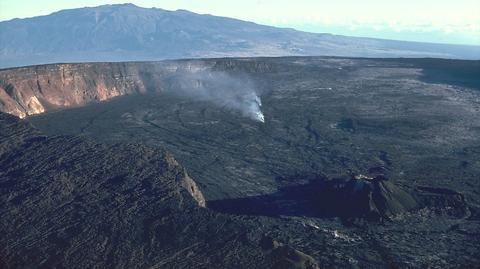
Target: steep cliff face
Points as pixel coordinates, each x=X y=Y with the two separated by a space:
x=32 y=90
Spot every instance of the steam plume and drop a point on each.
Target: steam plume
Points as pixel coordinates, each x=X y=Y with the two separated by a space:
x=220 y=88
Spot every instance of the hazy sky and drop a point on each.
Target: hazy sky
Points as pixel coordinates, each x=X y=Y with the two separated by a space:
x=445 y=21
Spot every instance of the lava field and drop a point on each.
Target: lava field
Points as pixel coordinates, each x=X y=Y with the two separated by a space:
x=359 y=163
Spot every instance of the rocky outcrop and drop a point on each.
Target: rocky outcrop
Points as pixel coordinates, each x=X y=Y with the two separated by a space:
x=68 y=202
x=287 y=257
x=61 y=192
x=80 y=160
x=186 y=181
x=362 y=196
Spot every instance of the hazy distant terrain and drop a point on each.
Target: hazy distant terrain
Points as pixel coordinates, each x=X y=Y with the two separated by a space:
x=127 y=32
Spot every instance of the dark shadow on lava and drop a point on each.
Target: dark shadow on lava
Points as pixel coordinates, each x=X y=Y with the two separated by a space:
x=462 y=73
x=344 y=198
x=359 y=197
x=294 y=201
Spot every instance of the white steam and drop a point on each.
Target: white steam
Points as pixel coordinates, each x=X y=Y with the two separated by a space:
x=220 y=88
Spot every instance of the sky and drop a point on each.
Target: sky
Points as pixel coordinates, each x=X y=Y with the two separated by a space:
x=439 y=21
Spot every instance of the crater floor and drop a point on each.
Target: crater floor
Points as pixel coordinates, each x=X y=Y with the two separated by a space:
x=415 y=122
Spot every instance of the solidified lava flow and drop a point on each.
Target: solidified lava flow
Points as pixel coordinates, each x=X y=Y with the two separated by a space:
x=358 y=163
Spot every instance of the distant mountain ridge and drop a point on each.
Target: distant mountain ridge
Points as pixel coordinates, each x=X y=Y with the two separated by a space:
x=126 y=32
